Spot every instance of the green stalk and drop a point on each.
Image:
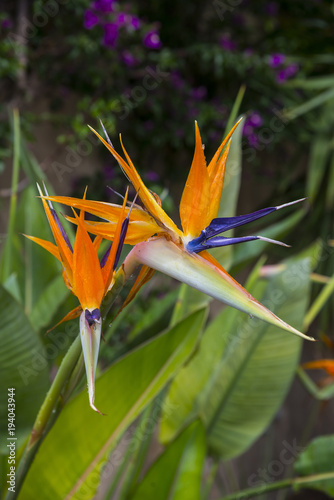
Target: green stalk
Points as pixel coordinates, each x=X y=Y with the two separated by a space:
x=69 y=366
x=235 y=109
x=285 y=483
x=51 y=406
x=319 y=302
x=322 y=394
x=7 y=256
x=45 y=413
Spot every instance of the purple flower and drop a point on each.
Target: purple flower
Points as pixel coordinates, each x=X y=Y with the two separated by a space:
x=281 y=76
x=90 y=19
x=227 y=43
x=104 y=5
x=128 y=58
x=6 y=23
x=121 y=19
x=255 y=120
x=124 y=19
x=253 y=140
x=276 y=60
x=134 y=22
x=286 y=73
x=291 y=69
x=247 y=130
x=152 y=40
x=110 y=34
x=198 y=93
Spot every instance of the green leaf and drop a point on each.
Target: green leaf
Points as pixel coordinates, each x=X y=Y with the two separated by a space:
x=176 y=474
x=12 y=286
x=40 y=267
x=69 y=461
x=189 y=300
x=319 y=154
x=316 y=83
x=330 y=186
x=48 y=303
x=307 y=106
x=30 y=166
x=241 y=373
x=152 y=316
x=317 y=458
x=23 y=366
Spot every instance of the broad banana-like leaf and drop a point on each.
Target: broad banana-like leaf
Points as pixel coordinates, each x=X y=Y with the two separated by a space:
x=176 y=474
x=75 y=452
x=243 y=368
x=315 y=461
x=23 y=368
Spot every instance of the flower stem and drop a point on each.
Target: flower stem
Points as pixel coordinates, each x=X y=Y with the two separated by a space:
x=284 y=483
x=52 y=405
x=44 y=415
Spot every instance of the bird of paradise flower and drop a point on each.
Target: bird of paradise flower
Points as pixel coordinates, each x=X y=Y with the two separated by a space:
x=86 y=277
x=160 y=245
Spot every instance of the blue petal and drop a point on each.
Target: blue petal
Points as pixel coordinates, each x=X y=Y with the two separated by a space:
x=196 y=246
x=104 y=259
x=125 y=225
x=219 y=241
x=124 y=228
x=92 y=316
x=62 y=230
x=222 y=224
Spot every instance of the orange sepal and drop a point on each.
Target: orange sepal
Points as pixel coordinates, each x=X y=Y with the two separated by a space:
x=97 y=242
x=195 y=201
x=47 y=245
x=137 y=231
x=88 y=283
x=321 y=364
x=216 y=170
x=144 y=194
x=75 y=313
x=218 y=153
x=64 y=251
x=217 y=182
x=143 y=277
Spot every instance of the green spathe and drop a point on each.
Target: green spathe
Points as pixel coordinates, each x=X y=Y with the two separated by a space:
x=168 y=258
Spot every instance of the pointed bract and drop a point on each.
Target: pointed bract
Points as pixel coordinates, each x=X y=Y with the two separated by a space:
x=90 y=336
x=168 y=258
x=195 y=201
